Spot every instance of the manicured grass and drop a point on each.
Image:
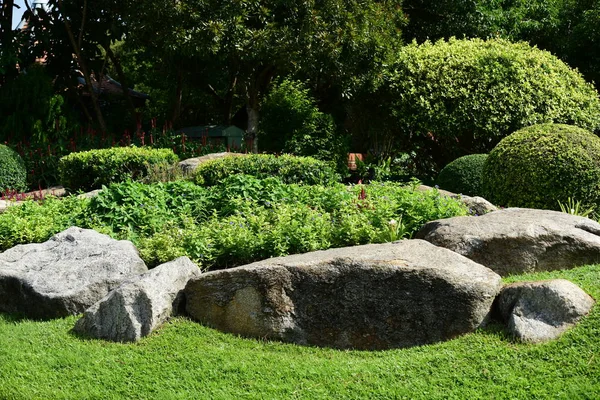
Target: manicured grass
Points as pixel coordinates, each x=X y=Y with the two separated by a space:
x=44 y=360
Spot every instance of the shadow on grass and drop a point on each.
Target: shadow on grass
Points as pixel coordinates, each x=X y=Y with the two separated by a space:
x=13 y=318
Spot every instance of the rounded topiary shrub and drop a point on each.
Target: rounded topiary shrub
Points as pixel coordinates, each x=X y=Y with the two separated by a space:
x=288 y=168
x=457 y=97
x=88 y=170
x=543 y=164
x=463 y=175
x=13 y=175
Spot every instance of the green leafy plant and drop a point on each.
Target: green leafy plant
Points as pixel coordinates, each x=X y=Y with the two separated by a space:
x=145 y=209
x=91 y=169
x=574 y=207
x=36 y=221
x=544 y=164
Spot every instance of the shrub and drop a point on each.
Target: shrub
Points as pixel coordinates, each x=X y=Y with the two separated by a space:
x=34 y=222
x=292 y=123
x=543 y=164
x=89 y=170
x=289 y=169
x=457 y=97
x=13 y=175
x=463 y=175
x=145 y=209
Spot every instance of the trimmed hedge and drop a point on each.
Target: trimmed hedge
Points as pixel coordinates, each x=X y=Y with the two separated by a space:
x=290 y=169
x=457 y=97
x=463 y=175
x=90 y=170
x=543 y=164
x=13 y=175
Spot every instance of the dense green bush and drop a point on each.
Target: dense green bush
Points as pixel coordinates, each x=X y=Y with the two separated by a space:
x=240 y=220
x=298 y=219
x=91 y=169
x=34 y=222
x=457 y=97
x=543 y=164
x=292 y=123
x=463 y=175
x=13 y=175
x=145 y=209
x=289 y=169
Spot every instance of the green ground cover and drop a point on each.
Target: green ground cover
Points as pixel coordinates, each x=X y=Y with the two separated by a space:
x=44 y=360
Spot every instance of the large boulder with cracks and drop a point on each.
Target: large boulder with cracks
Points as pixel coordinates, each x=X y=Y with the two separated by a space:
x=540 y=311
x=66 y=274
x=365 y=297
x=519 y=240
x=140 y=305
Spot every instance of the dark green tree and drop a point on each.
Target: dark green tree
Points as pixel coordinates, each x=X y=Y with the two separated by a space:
x=251 y=42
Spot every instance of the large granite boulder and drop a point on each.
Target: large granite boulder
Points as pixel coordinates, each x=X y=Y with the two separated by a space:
x=189 y=165
x=140 y=305
x=66 y=274
x=518 y=240
x=375 y=296
x=540 y=311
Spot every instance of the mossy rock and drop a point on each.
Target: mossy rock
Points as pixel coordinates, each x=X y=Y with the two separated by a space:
x=13 y=174
x=539 y=166
x=463 y=175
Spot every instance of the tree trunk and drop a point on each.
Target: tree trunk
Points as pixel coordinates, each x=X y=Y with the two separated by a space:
x=252 y=131
x=117 y=63
x=178 y=97
x=257 y=88
x=82 y=64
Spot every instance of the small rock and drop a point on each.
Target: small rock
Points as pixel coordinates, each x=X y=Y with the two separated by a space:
x=190 y=164
x=140 y=305
x=519 y=240
x=66 y=274
x=540 y=311
x=477 y=205
x=89 y=195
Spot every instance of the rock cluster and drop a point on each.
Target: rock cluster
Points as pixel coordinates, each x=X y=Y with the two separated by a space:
x=377 y=296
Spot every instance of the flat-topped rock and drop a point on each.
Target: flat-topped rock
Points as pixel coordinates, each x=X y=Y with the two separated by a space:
x=190 y=164
x=66 y=274
x=375 y=296
x=540 y=311
x=518 y=240
x=140 y=305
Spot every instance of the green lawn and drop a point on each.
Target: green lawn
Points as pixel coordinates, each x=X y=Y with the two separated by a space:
x=44 y=360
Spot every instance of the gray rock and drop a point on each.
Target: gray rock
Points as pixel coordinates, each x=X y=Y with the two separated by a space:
x=4 y=205
x=536 y=312
x=140 y=305
x=366 y=297
x=89 y=195
x=518 y=240
x=66 y=274
x=477 y=205
x=190 y=164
